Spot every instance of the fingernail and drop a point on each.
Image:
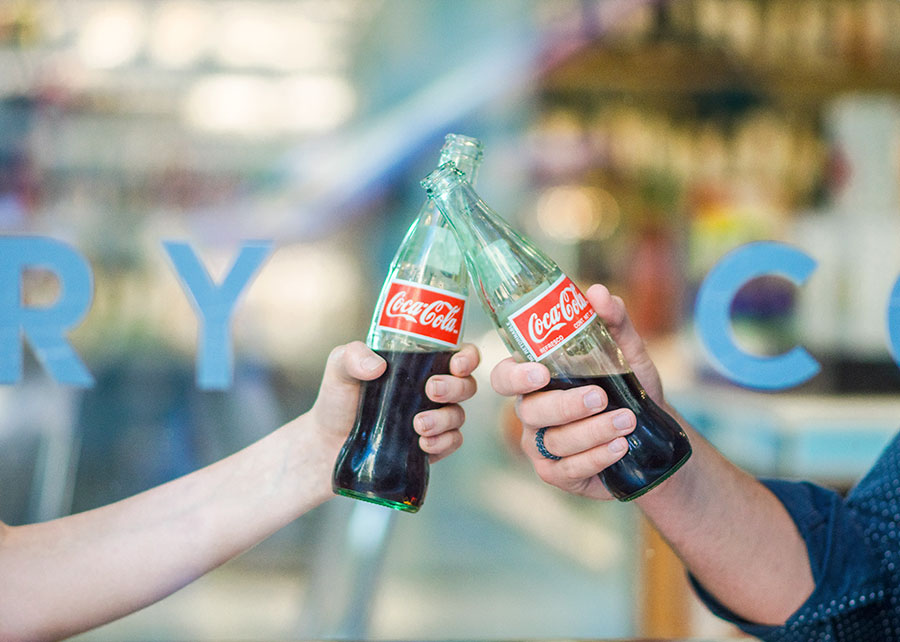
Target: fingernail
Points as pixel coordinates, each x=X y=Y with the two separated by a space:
x=535 y=376
x=594 y=399
x=426 y=423
x=370 y=363
x=622 y=421
x=438 y=388
x=618 y=445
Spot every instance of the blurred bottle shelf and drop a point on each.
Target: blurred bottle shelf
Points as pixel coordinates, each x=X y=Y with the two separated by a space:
x=685 y=129
x=670 y=71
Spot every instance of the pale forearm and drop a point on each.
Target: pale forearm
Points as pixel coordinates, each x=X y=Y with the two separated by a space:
x=68 y=575
x=734 y=535
x=77 y=572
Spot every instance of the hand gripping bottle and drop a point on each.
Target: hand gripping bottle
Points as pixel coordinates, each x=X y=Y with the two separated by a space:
x=543 y=316
x=417 y=328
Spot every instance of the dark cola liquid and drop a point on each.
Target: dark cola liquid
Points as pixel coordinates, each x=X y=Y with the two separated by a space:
x=381 y=461
x=656 y=448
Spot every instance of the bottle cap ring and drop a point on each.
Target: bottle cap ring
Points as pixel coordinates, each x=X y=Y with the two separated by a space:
x=539 y=442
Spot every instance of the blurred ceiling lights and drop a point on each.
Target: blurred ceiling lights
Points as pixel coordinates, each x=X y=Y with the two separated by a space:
x=182 y=33
x=250 y=34
x=260 y=106
x=258 y=67
x=111 y=35
x=577 y=212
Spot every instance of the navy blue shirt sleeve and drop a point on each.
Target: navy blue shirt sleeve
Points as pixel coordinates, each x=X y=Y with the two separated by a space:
x=848 y=574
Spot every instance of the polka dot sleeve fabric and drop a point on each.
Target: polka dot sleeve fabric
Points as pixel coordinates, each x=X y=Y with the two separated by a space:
x=855 y=597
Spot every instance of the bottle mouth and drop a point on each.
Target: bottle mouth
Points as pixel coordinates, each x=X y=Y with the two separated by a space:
x=446 y=174
x=461 y=140
x=465 y=151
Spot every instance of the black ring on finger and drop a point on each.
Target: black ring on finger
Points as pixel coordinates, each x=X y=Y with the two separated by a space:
x=539 y=442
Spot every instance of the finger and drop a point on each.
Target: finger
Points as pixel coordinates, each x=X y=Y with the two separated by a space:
x=510 y=378
x=464 y=362
x=440 y=446
x=434 y=422
x=450 y=389
x=557 y=407
x=579 y=436
x=584 y=465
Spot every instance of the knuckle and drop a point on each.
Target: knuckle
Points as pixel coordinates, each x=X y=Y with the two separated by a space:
x=471 y=355
x=568 y=469
x=357 y=347
x=500 y=379
x=597 y=432
x=599 y=459
x=525 y=442
x=545 y=471
x=470 y=387
x=451 y=416
x=566 y=407
x=337 y=352
x=525 y=411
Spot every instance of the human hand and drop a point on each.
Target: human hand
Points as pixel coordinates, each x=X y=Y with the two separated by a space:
x=586 y=439
x=439 y=429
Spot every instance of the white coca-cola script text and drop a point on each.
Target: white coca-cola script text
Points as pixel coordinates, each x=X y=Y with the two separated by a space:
x=571 y=304
x=437 y=314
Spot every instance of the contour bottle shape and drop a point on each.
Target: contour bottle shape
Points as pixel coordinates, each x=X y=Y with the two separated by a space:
x=416 y=328
x=542 y=316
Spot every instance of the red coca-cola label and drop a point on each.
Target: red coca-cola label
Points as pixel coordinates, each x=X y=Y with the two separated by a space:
x=551 y=319
x=424 y=312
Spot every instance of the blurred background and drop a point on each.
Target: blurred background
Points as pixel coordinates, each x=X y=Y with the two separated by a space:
x=636 y=141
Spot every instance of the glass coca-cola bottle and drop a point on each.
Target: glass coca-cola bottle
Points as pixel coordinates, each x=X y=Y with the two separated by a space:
x=416 y=328
x=543 y=316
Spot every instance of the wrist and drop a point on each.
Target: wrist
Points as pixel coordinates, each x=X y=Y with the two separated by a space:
x=312 y=453
x=674 y=494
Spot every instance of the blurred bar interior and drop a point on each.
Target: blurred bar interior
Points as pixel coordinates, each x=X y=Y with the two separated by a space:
x=638 y=142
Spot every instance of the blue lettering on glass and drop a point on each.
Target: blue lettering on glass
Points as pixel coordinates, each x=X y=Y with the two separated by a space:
x=713 y=316
x=43 y=327
x=893 y=321
x=215 y=306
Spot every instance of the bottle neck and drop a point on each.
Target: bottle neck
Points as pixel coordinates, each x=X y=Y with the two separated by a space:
x=449 y=190
x=467 y=165
x=465 y=153
x=454 y=198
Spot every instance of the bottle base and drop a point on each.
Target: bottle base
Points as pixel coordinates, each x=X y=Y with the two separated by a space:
x=374 y=499
x=646 y=489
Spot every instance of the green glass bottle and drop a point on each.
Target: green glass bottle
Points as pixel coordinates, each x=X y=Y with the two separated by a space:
x=416 y=328
x=542 y=316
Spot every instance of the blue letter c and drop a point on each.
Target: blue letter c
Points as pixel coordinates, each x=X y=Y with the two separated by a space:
x=713 y=316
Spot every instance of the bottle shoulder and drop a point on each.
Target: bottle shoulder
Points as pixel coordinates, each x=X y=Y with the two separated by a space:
x=387 y=341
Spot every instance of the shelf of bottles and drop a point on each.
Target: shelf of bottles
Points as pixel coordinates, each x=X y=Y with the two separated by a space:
x=675 y=131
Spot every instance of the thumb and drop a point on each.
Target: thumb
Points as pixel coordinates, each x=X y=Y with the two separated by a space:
x=352 y=363
x=347 y=366
x=611 y=310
